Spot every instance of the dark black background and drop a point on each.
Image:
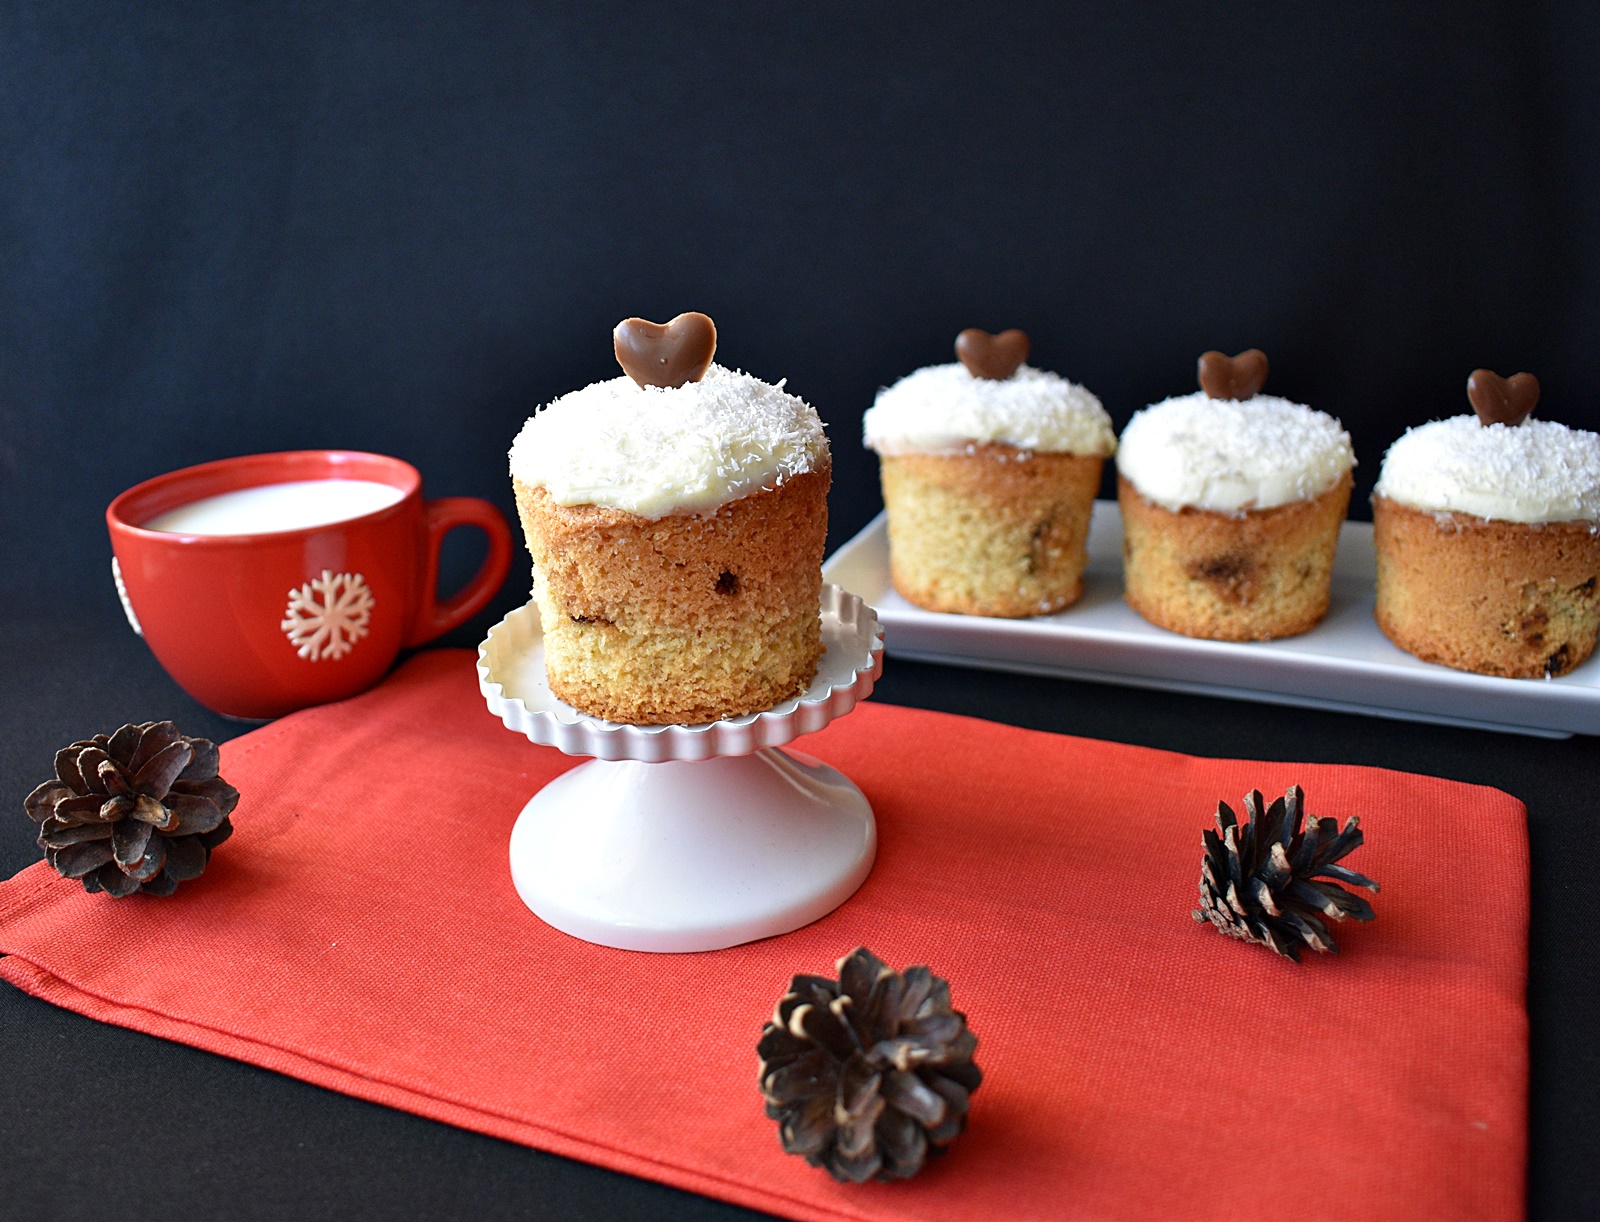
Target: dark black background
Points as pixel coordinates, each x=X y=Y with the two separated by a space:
x=401 y=227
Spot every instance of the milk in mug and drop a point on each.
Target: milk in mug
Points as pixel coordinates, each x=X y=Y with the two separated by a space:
x=272 y=508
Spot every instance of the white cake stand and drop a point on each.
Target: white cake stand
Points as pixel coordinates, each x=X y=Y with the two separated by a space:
x=686 y=838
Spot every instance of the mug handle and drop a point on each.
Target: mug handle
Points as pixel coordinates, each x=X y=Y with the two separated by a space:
x=434 y=618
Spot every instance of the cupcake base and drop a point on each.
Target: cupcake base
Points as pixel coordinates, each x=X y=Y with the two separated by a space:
x=686 y=618
x=1251 y=576
x=992 y=531
x=1516 y=599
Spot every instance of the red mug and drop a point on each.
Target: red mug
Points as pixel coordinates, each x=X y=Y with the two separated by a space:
x=260 y=624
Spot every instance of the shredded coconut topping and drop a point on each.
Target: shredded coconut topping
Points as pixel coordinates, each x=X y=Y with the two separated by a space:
x=943 y=409
x=654 y=450
x=1538 y=471
x=1231 y=455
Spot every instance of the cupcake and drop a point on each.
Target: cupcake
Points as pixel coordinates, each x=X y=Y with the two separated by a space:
x=990 y=469
x=1486 y=530
x=1231 y=506
x=677 y=517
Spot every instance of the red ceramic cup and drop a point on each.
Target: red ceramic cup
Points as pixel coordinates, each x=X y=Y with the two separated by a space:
x=258 y=625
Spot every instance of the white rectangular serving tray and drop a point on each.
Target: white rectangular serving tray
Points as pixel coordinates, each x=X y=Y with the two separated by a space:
x=1345 y=663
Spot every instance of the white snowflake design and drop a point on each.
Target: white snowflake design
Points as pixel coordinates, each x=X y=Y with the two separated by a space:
x=328 y=615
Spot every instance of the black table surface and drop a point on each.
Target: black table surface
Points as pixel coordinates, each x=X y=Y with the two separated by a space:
x=98 y=1122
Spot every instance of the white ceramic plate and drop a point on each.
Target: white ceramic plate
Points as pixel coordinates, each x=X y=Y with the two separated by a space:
x=1344 y=663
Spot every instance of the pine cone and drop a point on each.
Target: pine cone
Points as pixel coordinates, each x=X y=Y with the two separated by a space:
x=138 y=811
x=870 y=1074
x=1259 y=880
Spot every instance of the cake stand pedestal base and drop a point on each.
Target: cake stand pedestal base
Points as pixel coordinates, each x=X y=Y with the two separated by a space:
x=688 y=837
x=692 y=855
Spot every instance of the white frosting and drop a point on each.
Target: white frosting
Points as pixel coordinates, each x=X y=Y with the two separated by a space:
x=944 y=409
x=1538 y=471
x=654 y=450
x=1231 y=455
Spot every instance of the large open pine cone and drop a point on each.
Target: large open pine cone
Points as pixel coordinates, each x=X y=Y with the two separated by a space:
x=1263 y=880
x=140 y=810
x=870 y=1074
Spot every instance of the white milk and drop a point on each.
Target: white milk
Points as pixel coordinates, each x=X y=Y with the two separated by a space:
x=277 y=507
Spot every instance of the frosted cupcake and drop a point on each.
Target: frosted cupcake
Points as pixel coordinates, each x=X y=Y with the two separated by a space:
x=677 y=518
x=989 y=471
x=1231 y=505
x=1486 y=531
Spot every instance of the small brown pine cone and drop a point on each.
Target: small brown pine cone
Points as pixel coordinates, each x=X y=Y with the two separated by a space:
x=139 y=810
x=1273 y=881
x=868 y=1075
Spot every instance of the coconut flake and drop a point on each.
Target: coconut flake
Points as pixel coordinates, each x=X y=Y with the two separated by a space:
x=1230 y=455
x=655 y=450
x=944 y=409
x=1537 y=471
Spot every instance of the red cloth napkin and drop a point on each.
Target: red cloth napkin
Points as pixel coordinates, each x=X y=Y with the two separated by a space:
x=360 y=931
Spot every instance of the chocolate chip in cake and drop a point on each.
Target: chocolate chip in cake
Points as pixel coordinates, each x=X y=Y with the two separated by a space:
x=1038 y=547
x=1233 y=574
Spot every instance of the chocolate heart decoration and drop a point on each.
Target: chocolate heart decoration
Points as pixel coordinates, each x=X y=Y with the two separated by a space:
x=665 y=353
x=995 y=357
x=1500 y=400
x=1233 y=377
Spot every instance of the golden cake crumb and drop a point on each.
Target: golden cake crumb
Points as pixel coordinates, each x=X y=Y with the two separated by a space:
x=686 y=618
x=1517 y=599
x=992 y=531
x=1247 y=576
